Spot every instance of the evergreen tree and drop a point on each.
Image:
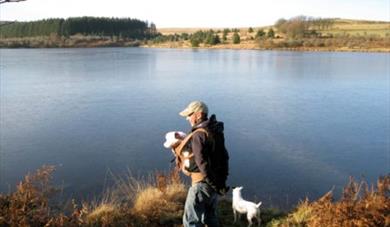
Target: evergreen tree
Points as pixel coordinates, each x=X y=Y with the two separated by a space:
x=195 y=42
x=225 y=33
x=212 y=38
x=260 y=34
x=224 y=37
x=236 y=38
x=216 y=40
x=209 y=37
x=124 y=27
x=185 y=36
x=271 y=33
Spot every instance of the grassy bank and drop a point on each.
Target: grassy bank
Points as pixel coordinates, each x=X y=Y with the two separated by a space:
x=326 y=44
x=159 y=201
x=342 y=43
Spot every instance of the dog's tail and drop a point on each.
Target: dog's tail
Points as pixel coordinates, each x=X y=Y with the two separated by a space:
x=258 y=205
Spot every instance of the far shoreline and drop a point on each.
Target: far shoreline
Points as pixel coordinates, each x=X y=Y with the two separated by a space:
x=298 y=34
x=351 y=50
x=221 y=47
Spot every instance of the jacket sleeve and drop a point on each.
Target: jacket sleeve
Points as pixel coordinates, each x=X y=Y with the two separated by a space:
x=199 y=140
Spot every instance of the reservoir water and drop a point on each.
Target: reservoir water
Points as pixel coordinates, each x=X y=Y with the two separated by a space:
x=296 y=123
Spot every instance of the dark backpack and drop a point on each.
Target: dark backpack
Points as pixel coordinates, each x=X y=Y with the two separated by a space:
x=218 y=156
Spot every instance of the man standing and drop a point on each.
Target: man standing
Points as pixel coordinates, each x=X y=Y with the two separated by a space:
x=206 y=161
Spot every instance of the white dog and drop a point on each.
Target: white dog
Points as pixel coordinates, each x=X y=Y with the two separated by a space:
x=242 y=206
x=172 y=140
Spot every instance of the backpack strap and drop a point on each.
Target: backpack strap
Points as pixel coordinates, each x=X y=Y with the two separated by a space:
x=201 y=130
x=179 y=157
x=179 y=148
x=186 y=139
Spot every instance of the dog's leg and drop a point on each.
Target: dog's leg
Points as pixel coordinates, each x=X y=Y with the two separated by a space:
x=235 y=215
x=249 y=220
x=258 y=221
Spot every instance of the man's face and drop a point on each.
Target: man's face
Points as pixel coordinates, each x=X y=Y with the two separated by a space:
x=192 y=118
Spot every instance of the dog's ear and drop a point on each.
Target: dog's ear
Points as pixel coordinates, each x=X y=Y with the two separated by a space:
x=240 y=188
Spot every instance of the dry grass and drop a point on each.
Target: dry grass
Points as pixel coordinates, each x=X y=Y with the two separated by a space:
x=131 y=202
x=340 y=26
x=159 y=201
x=359 y=206
x=360 y=27
x=303 y=213
x=171 y=31
x=29 y=204
x=162 y=203
x=104 y=213
x=350 y=44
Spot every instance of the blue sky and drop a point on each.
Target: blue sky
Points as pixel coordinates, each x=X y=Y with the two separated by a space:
x=199 y=13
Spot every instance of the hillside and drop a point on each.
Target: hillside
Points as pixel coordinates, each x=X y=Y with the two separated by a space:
x=298 y=33
x=361 y=27
x=340 y=26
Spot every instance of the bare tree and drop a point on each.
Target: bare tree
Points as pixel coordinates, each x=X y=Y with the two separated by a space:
x=7 y=1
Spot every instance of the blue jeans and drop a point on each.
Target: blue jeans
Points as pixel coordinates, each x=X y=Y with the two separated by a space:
x=201 y=206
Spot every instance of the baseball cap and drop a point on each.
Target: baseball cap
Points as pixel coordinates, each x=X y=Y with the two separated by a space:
x=195 y=106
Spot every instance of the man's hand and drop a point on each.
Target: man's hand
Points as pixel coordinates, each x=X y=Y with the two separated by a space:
x=221 y=190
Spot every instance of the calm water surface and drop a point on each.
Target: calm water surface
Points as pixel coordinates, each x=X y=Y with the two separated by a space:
x=296 y=123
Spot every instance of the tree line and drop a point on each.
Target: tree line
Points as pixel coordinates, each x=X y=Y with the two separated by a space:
x=211 y=37
x=99 y=26
x=303 y=26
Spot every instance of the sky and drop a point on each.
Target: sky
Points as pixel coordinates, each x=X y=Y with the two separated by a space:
x=199 y=13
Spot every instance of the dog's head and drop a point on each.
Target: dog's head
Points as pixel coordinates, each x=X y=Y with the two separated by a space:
x=237 y=190
x=173 y=139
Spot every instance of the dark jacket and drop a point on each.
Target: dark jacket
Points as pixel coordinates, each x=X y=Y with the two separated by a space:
x=202 y=146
